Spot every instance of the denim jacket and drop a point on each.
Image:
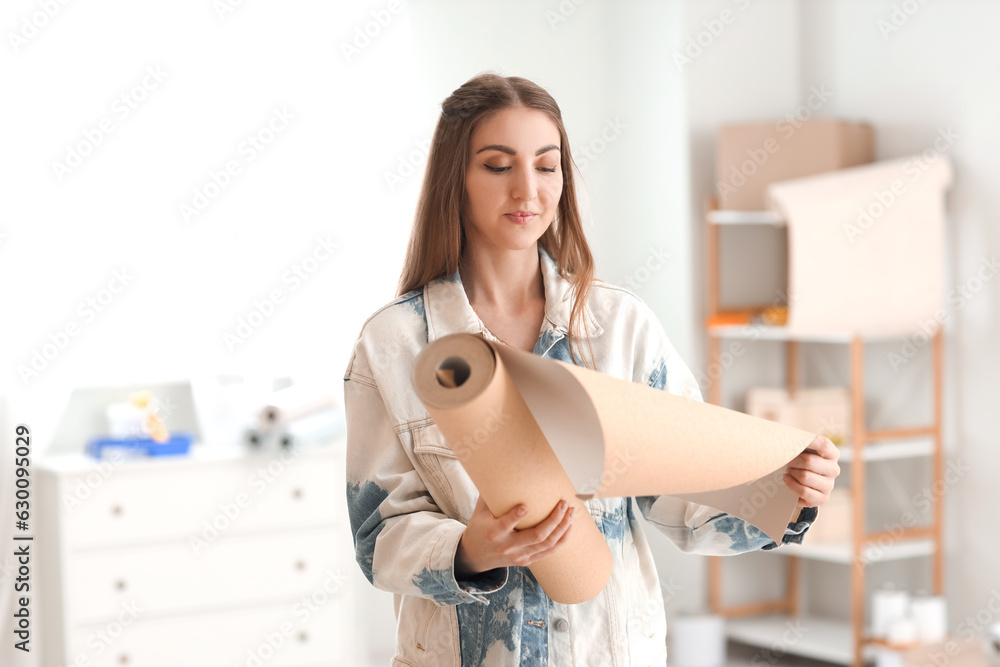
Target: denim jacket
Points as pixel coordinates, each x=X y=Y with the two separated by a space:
x=409 y=498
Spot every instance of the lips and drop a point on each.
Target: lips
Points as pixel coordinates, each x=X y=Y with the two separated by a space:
x=520 y=217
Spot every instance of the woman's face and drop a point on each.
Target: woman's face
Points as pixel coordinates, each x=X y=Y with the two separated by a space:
x=514 y=167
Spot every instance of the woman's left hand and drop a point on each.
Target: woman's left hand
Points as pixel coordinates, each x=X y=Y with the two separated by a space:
x=811 y=473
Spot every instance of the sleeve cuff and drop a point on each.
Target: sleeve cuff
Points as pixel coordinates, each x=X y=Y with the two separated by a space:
x=453 y=591
x=796 y=530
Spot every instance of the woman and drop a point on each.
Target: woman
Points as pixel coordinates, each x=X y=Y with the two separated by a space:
x=498 y=249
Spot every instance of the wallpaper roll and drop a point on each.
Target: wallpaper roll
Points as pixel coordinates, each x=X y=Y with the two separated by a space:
x=295 y=402
x=862 y=237
x=536 y=430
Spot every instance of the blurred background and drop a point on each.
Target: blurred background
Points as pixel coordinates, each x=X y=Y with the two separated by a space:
x=205 y=201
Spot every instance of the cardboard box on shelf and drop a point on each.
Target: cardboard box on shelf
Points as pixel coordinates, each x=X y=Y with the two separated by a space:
x=835 y=519
x=824 y=410
x=750 y=156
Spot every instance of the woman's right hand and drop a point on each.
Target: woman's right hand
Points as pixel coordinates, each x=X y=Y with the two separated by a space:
x=490 y=542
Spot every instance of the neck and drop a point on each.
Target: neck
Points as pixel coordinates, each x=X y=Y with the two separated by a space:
x=504 y=281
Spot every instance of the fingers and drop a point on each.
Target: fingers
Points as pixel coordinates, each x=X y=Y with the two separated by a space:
x=812 y=480
x=549 y=542
x=563 y=537
x=511 y=546
x=511 y=517
x=545 y=535
x=815 y=463
x=812 y=489
x=824 y=447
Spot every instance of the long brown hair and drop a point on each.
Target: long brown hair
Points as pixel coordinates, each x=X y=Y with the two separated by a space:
x=437 y=242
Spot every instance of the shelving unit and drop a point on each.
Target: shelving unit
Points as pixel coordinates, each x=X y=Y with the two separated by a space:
x=765 y=623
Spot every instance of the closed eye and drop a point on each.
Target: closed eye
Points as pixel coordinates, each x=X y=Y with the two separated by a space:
x=500 y=170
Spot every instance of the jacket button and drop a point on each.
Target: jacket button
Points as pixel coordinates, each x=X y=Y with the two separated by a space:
x=562 y=625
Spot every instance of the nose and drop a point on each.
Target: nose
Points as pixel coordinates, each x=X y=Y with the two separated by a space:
x=524 y=185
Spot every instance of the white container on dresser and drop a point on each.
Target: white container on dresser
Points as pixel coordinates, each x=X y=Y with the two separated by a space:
x=222 y=558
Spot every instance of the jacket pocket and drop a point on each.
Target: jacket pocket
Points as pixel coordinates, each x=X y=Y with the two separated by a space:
x=427 y=634
x=454 y=491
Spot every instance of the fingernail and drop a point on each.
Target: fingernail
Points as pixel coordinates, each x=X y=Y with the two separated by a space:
x=522 y=510
x=562 y=505
x=571 y=510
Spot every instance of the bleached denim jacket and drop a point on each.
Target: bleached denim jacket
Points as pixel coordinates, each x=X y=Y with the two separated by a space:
x=409 y=498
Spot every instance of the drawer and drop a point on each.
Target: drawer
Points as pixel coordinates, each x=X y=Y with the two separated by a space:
x=286 y=635
x=176 y=578
x=190 y=498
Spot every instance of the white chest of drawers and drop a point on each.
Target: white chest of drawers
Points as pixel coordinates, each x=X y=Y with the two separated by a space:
x=220 y=558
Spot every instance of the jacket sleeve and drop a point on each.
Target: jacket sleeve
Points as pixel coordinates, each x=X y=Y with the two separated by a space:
x=403 y=542
x=695 y=528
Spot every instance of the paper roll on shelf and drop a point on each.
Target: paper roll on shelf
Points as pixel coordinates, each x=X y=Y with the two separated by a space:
x=317 y=428
x=888 y=604
x=930 y=612
x=295 y=402
x=535 y=430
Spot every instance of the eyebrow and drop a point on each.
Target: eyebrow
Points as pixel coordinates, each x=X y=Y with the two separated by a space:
x=510 y=151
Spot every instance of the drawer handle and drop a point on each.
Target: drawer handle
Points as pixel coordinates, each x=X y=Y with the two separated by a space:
x=303 y=637
x=296 y=492
x=120 y=584
x=300 y=565
x=116 y=510
x=123 y=658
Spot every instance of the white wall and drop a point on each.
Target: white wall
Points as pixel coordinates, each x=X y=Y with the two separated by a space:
x=189 y=283
x=937 y=71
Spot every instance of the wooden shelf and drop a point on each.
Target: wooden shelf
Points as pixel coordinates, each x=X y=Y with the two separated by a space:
x=843 y=552
x=890 y=450
x=729 y=217
x=771 y=332
x=757 y=624
x=808 y=636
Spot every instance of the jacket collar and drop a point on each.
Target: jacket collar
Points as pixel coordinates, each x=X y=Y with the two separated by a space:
x=448 y=309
